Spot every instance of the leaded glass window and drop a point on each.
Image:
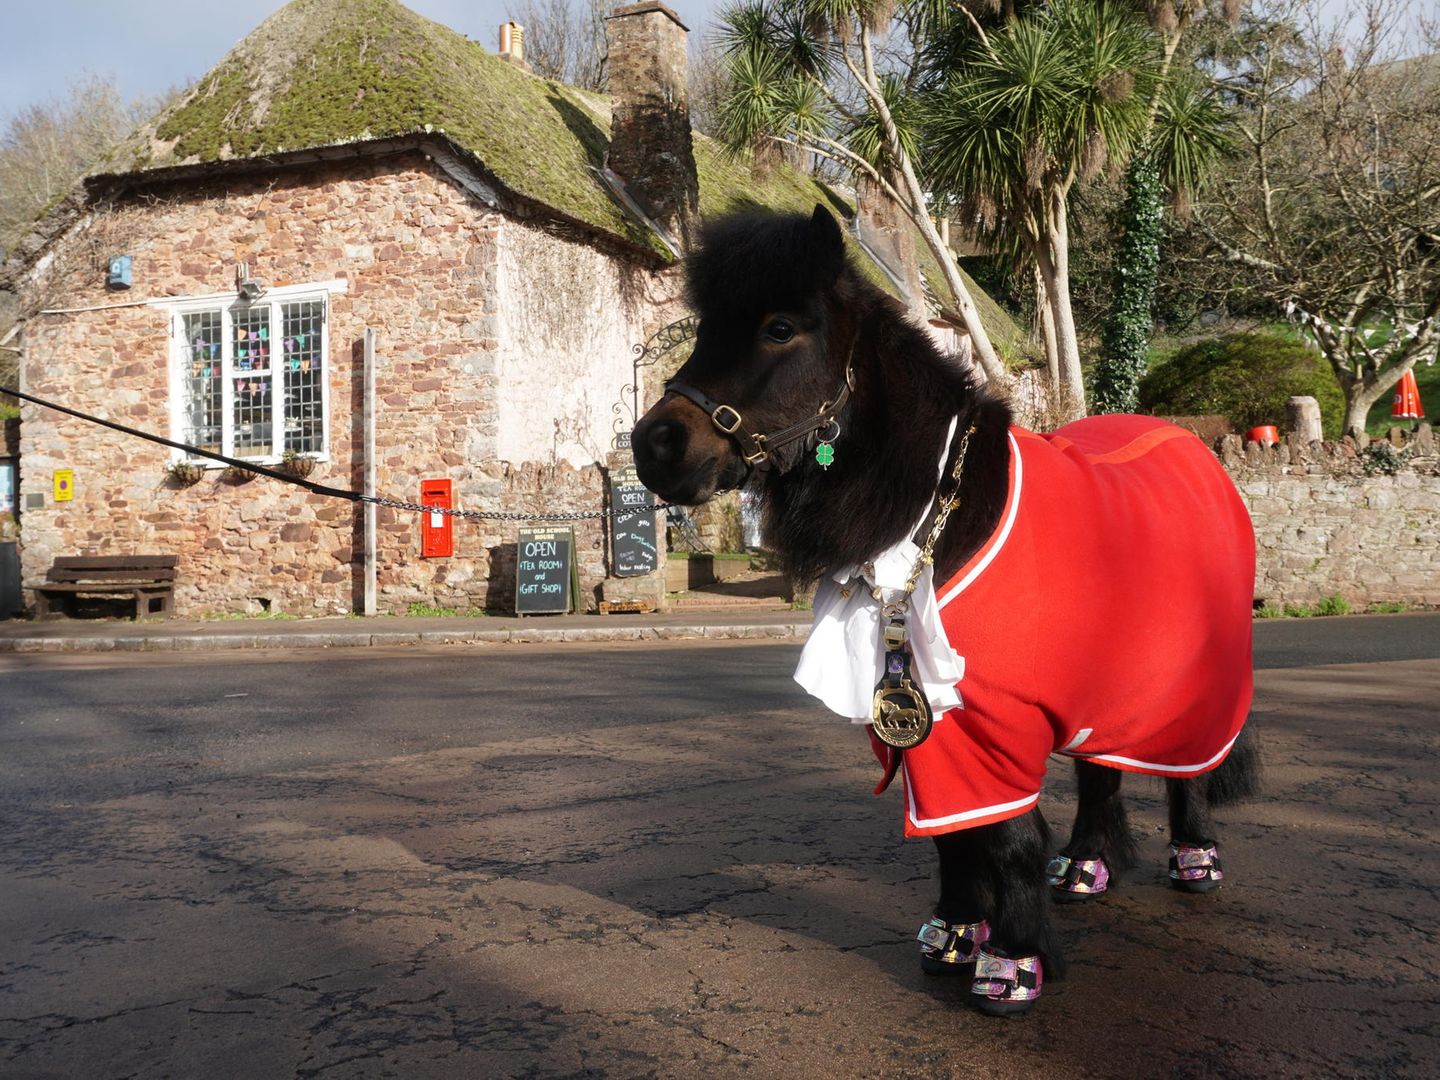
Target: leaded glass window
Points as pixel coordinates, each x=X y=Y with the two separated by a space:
x=252 y=377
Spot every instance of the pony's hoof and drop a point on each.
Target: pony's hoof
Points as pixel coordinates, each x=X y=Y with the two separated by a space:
x=1004 y=986
x=950 y=948
x=1195 y=869
x=1076 y=880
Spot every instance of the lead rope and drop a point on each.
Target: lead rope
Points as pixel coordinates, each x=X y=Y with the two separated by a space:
x=900 y=714
x=334 y=492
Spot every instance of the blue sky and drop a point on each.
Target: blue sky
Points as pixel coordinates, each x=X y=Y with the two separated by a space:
x=151 y=45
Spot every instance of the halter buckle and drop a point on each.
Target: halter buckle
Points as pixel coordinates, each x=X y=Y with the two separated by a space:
x=715 y=419
x=760 y=454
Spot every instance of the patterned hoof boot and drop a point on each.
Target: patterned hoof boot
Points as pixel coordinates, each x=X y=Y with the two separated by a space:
x=1076 y=880
x=950 y=948
x=1195 y=869
x=1004 y=986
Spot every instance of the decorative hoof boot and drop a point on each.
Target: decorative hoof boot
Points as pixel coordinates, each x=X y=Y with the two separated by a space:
x=951 y=948
x=1006 y=987
x=1075 y=880
x=1195 y=869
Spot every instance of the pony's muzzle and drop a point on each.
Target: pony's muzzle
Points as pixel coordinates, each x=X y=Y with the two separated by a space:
x=675 y=458
x=665 y=442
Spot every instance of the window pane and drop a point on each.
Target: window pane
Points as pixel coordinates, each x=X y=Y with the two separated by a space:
x=204 y=398
x=303 y=361
x=8 y=502
x=250 y=381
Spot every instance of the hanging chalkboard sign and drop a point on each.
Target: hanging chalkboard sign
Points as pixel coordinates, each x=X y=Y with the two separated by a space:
x=544 y=570
x=633 y=545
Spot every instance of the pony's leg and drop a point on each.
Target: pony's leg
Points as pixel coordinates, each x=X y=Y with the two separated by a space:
x=1100 y=841
x=1022 y=948
x=1194 y=860
x=950 y=939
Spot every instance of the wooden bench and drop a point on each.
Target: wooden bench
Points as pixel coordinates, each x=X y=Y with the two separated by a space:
x=147 y=580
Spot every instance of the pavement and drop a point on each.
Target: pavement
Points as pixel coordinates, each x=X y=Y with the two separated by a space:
x=116 y=635
x=663 y=861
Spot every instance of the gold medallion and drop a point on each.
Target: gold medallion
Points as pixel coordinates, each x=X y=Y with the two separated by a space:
x=901 y=715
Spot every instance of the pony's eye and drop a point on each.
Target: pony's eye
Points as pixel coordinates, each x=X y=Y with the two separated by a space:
x=780 y=330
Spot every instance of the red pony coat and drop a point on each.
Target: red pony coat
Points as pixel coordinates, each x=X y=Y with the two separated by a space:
x=1107 y=618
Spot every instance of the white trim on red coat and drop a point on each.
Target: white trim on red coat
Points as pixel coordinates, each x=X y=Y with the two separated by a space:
x=1012 y=509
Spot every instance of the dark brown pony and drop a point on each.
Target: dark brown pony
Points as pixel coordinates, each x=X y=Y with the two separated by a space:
x=795 y=346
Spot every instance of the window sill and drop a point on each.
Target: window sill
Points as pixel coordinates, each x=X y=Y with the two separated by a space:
x=267 y=462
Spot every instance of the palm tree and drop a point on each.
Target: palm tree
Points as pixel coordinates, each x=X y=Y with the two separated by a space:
x=1022 y=114
x=805 y=74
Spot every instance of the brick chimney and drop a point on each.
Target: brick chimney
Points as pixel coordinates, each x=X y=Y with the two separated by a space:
x=650 y=150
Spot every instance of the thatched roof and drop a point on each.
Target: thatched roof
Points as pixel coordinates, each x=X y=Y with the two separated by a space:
x=322 y=74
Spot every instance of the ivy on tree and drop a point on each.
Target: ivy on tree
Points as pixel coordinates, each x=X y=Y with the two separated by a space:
x=1125 y=338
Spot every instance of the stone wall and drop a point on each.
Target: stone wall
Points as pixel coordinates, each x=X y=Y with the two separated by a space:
x=1329 y=520
x=569 y=317
x=425 y=265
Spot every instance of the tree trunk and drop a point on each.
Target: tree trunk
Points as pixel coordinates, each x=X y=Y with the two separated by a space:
x=969 y=313
x=1046 y=318
x=1362 y=394
x=1357 y=407
x=983 y=350
x=1054 y=264
x=1125 y=340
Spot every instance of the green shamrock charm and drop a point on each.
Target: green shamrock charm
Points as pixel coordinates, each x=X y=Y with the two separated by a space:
x=825 y=455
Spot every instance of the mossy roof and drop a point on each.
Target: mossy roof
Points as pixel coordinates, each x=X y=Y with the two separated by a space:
x=322 y=73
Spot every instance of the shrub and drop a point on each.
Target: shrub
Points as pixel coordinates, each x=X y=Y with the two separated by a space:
x=1380 y=459
x=1246 y=377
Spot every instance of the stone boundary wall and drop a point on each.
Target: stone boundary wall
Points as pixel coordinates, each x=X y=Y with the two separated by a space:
x=1330 y=519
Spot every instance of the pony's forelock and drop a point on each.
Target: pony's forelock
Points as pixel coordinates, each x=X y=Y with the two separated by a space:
x=750 y=263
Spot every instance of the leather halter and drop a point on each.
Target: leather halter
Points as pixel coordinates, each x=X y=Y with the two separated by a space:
x=755 y=449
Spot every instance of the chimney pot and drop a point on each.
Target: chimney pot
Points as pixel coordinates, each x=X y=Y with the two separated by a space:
x=512 y=43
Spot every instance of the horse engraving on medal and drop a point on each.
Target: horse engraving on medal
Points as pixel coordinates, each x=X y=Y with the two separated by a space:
x=901 y=716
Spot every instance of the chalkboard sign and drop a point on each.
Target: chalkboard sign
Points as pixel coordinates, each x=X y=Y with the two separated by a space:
x=544 y=570
x=632 y=529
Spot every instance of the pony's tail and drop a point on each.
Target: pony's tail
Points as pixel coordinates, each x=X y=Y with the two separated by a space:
x=1238 y=776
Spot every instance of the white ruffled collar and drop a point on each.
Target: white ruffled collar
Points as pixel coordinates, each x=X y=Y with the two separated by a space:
x=844 y=656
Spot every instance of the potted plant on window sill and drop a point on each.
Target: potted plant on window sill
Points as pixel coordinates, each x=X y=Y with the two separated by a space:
x=234 y=474
x=296 y=464
x=185 y=473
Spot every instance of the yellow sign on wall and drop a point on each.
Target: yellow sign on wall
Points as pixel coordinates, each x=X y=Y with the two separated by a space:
x=64 y=485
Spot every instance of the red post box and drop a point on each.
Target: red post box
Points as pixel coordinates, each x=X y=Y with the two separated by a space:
x=437 y=531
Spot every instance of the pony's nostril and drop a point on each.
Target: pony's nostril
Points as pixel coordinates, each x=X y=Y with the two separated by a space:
x=667 y=441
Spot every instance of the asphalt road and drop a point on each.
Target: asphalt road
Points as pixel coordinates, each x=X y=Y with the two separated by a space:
x=621 y=861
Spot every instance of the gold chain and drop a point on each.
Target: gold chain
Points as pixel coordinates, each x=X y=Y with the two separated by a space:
x=947 y=504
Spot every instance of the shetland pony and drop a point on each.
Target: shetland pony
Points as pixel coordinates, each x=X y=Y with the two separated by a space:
x=1092 y=588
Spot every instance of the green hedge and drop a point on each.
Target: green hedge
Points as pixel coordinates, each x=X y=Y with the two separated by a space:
x=1245 y=377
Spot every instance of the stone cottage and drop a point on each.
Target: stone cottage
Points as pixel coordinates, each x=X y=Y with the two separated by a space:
x=351 y=166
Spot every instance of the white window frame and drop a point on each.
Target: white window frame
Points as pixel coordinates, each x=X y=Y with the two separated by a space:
x=180 y=361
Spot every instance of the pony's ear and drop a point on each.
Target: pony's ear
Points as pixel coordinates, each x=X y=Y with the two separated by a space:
x=828 y=244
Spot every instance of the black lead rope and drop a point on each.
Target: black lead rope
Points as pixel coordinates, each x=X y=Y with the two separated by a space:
x=320 y=489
